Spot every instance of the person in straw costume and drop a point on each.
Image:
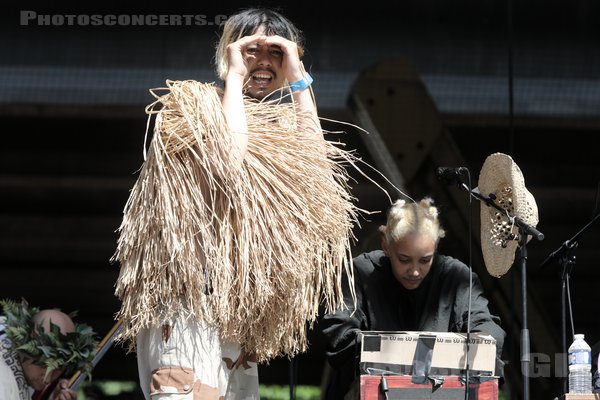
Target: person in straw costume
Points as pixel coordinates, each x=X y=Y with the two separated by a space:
x=405 y=286
x=238 y=228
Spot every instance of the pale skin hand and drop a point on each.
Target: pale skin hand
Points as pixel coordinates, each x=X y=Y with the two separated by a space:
x=62 y=391
x=233 y=98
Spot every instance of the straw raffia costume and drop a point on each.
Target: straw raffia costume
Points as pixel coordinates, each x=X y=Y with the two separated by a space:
x=253 y=248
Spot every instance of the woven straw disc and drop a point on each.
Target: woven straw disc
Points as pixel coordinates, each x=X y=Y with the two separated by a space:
x=502 y=178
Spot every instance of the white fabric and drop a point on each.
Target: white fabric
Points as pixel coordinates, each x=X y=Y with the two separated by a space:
x=13 y=385
x=193 y=345
x=8 y=384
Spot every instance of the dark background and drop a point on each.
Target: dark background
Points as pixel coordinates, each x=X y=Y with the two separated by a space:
x=446 y=81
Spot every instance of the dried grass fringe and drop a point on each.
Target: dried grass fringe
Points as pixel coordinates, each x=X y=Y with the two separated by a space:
x=253 y=249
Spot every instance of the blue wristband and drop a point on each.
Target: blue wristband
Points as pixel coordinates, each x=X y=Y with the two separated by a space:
x=302 y=83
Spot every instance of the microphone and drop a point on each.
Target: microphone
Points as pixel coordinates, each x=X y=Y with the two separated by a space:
x=450 y=176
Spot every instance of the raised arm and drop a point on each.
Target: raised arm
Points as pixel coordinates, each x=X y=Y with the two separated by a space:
x=294 y=72
x=233 y=97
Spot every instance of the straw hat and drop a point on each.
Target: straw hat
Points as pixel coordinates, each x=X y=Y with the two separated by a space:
x=502 y=180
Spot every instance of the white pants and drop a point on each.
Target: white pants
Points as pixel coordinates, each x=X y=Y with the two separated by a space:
x=188 y=361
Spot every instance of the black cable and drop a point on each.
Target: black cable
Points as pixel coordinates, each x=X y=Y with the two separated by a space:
x=511 y=135
x=292 y=377
x=509 y=17
x=596 y=200
x=470 y=286
x=570 y=305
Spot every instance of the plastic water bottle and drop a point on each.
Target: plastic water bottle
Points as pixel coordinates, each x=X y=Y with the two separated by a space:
x=580 y=366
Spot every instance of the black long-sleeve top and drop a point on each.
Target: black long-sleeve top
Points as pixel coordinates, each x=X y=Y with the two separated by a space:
x=439 y=304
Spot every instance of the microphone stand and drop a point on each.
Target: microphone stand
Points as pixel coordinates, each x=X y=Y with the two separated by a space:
x=293 y=372
x=567 y=260
x=524 y=231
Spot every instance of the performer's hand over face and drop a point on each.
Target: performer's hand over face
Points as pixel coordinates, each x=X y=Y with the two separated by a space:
x=265 y=62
